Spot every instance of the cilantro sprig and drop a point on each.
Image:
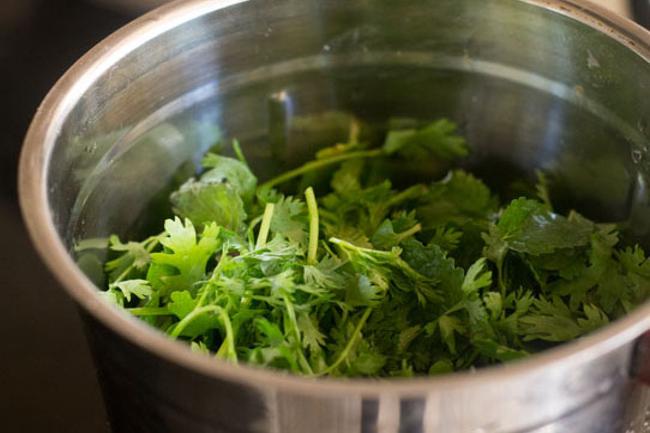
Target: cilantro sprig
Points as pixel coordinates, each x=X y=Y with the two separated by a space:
x=367 y=279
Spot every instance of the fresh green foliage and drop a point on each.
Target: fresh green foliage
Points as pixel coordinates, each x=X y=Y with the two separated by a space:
x=205 y=202
x=355 y=277
x=438 y=139
x=232 y=172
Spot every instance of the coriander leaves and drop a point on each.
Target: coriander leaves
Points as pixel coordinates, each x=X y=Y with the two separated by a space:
x=220 y=196
x=370 y=279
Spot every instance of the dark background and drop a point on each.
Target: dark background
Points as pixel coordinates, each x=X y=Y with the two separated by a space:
x=47 y=382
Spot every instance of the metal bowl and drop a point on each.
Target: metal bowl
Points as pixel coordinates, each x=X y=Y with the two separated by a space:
x=535 y=84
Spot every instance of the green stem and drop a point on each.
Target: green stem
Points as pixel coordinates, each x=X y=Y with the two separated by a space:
x=304 y=363
x=328 y=249
x=291 y=314
x=216 y=272
x=204 y=295
x=228 y=345
x=319 y=163
x=149 y=311
x=408 y=194
x=180 y=326
x=124 y=273
x=408 y=233
x=151 y=244
x=266 y=299
x=250 y=233
x=348 y=246
x=502 y=285
x=237 y=148
x=265 y=226
x=351 y=342
x=312 y=207
x=355 y=131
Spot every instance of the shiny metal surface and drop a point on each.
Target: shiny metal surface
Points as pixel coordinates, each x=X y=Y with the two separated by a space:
x=545 y=84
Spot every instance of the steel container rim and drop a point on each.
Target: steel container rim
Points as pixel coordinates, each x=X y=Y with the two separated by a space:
x=32 y=185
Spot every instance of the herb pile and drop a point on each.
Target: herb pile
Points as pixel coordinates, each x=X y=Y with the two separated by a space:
x=363 y=279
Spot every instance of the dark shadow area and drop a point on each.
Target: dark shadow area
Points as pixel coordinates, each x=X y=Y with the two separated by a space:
x=47 y=379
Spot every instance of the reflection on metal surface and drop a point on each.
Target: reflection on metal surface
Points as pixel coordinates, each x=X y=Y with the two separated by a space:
x=131 y=6
x=278 y=62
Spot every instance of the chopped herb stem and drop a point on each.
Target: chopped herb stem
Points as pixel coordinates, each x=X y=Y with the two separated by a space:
x=265 y=227
x=250 y=233
x=295 y=330
x=180 y=326
x=408 y=233
x=351 y=342
x=355 y=131
x=149 y=311
x=227 y=349
x=240 y=154
x=408 y=194
x=312 y=207
x=317 y=164
x=368 y=279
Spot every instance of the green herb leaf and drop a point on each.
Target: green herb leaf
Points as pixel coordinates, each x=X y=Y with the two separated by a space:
x=138 y=288
x=186 y=256
x=205 y=202
x=374 y=273
x=182 y=305
x=458 y=198
x=437 y=139
x=224 y=170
